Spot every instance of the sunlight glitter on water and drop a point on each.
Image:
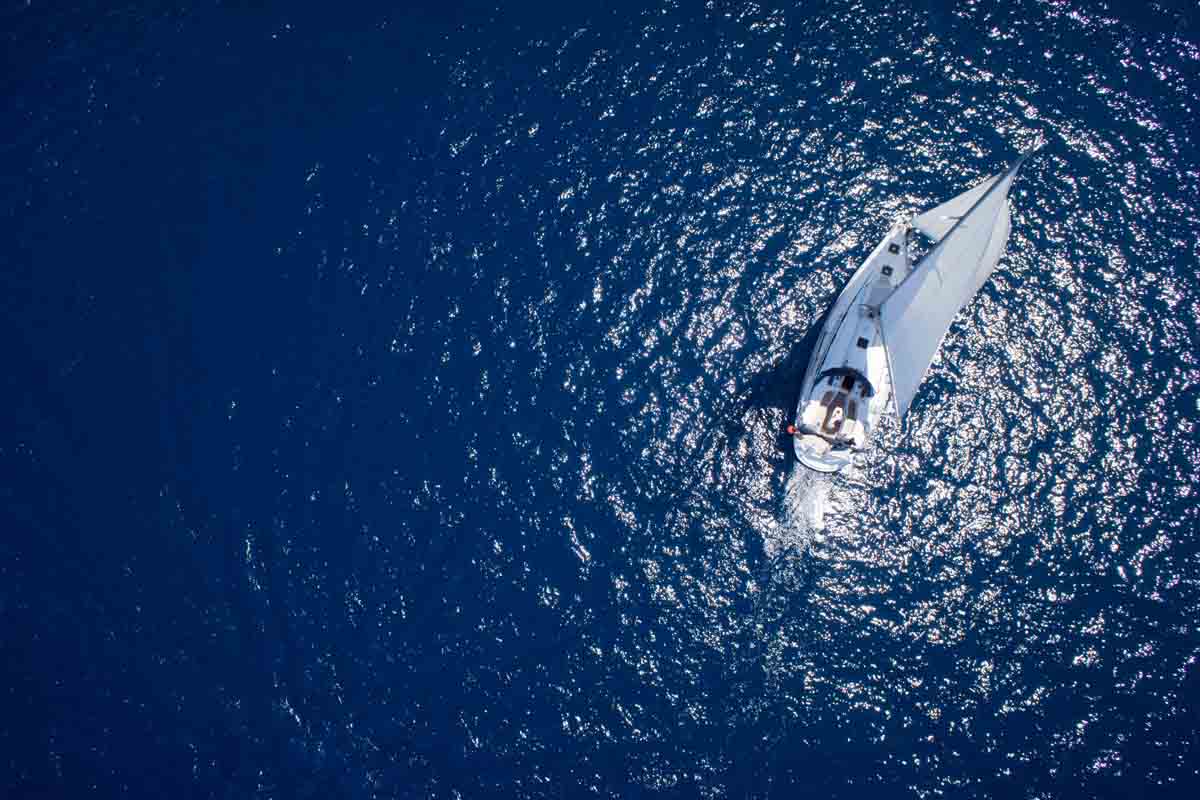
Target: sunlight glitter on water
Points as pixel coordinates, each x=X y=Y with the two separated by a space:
x=691 y=217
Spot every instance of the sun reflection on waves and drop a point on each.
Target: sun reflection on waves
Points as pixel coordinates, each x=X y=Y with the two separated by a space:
x=637 y=311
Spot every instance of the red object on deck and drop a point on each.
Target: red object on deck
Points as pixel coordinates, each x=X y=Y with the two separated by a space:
x=791 y=429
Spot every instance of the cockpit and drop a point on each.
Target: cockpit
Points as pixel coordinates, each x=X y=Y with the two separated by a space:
x=835 y=416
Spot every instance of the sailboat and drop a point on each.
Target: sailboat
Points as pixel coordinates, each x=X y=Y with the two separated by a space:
x=889 y=320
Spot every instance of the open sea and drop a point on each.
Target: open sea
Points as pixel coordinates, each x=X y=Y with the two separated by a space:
x=393 y=403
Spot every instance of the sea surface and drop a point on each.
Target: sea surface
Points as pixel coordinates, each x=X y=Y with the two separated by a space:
x=394 y=398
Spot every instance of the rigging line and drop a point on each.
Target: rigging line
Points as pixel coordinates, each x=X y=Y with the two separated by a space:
x=887 y=352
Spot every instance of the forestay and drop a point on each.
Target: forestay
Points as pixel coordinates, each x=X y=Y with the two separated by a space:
x=971 y=230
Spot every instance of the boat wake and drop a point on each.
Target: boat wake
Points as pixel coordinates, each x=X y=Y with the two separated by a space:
x=802 y=513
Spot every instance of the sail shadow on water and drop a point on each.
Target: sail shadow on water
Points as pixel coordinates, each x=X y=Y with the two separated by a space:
x=775 y=387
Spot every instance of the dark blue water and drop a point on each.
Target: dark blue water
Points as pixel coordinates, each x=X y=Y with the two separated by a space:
x=394 y=398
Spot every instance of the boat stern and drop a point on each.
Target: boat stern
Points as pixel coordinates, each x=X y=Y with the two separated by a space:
x=817 y=454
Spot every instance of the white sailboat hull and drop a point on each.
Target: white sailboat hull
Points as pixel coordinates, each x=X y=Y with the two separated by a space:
x=845 y=387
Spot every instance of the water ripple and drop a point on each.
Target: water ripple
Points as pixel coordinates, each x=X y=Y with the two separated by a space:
x=626 y=233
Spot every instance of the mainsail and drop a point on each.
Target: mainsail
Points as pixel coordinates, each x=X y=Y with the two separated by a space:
x=970 y=230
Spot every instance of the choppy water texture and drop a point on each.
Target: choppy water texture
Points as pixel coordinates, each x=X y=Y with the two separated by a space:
x=398 y=404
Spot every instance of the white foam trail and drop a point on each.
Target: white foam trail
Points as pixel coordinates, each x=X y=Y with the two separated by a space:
x=802 y=513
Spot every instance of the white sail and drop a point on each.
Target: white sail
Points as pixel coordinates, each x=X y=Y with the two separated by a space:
x=935 y=222
x=995 y=247
x=916 y=316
